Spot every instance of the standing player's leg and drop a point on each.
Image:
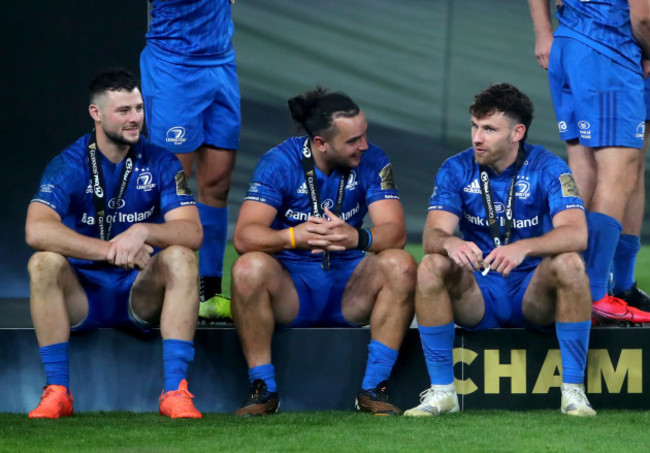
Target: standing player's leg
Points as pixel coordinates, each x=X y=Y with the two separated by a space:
x=380 y=291
x=191 y=111
x=166 y=291
x=583 y=166
x=558 y=291
x=214 y=167
x=617 y=170
x=588 y=91
x=629 y=243
x=263 y=295
x=445 y=292
x=57 y=301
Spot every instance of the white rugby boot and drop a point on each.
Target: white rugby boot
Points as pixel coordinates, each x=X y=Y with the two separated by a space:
x=439 y=399
x=575 y=402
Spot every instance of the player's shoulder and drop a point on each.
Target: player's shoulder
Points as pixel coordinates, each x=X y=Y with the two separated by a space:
x=74 y=158
x=287 y=152
x=374 y=150
x=538 y=157
x=78 y=149
x=463 y=161
x=373 y=159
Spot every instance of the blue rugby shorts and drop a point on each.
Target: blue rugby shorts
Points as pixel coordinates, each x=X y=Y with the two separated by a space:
x=596 y=100
x=190 y=106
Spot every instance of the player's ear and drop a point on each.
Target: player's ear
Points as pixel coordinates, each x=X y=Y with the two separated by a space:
x=319 y=142
x=95 y=112
x=519 y=132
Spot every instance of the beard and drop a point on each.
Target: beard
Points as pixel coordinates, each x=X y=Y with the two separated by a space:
x=119 y=139
x=347 y=162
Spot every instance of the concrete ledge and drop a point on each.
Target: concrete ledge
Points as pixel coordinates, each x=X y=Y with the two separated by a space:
x=321 y=369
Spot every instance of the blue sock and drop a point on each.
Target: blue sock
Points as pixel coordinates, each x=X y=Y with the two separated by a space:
x=610 y=280
x=177 y=355
x=438 y=346
x=215 y=233
x=265 y=373
x=381 y=359
x=604 y=232
x=624 y=260
x=55 y=361
x=574 y=341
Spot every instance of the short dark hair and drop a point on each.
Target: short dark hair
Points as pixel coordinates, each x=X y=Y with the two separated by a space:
x=315 y=110
x=504 y=98
x=114 y=79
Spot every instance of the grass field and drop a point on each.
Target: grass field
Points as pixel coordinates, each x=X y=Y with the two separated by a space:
x=470 y=431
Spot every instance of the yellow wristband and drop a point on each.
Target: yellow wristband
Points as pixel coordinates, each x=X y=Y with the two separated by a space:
x=293 y=238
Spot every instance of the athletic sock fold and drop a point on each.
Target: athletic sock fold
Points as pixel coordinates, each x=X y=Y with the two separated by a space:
x=438 y=347
x=380 y=363
x=624 y=261
x=266 y=373
x=215 y=232
x=604 y=232
x=177 y=355
x=574 y=341
x=55 y=361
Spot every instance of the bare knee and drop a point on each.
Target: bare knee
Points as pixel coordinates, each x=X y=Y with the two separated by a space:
x=179 y=263
x=398 y=267
x=251 y=272
x=568 y=268
x=46 y=266
x=214 y=184
x=432 y=271
x=215 y=189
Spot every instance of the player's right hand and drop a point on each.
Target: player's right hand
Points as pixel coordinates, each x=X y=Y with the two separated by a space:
x=465 y=254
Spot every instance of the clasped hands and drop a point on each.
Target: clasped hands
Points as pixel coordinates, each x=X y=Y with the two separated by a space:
x=129 y=250
x=326 y=234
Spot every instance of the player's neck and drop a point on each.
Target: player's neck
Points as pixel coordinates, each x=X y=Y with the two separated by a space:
x=321 y=162
x=115 y=152
x=506 y=161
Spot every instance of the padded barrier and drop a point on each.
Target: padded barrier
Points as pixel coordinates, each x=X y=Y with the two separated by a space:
x=321 y=369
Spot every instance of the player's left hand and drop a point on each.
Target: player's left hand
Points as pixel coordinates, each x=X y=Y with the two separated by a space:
x=505 y=258
x=543 y=50
x=333 y=233
x=127 y=248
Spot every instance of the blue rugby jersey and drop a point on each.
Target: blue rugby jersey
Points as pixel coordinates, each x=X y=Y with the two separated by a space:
x=544 y=187
x=279 y=181
x=192 y=32
x=155 y=188
x=603 y=25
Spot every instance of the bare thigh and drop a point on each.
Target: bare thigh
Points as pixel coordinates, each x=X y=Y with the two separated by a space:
x=284 y=297
x=259 y=277
x=447 y=292
x=50 y=271
x=392 y=271
x=467 y=301
x=148 y=292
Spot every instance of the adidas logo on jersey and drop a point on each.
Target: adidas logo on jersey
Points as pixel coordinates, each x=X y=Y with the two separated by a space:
x=474 y=187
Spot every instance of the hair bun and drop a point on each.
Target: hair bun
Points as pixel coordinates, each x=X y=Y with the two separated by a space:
x=302 y=105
